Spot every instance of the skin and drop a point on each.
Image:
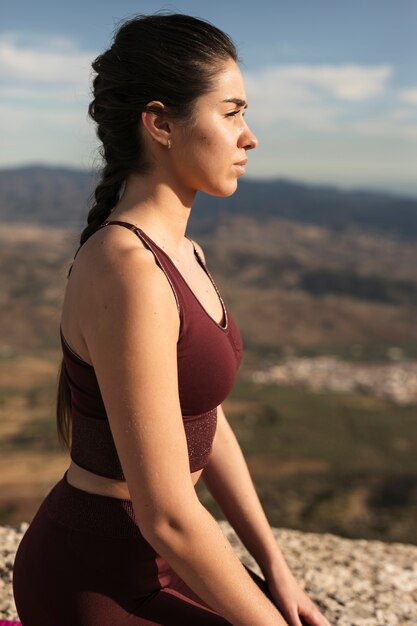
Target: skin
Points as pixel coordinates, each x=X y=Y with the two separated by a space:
x=202 y=157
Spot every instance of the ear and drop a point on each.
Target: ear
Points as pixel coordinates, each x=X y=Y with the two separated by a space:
x=155 y=121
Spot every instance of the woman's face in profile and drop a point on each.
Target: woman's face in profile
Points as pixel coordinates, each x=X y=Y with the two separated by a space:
x=207 y=154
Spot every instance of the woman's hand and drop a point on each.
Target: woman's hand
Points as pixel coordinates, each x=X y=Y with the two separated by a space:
x=294 y=604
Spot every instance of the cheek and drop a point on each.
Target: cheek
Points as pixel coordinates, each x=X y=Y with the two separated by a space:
x=212 y=137
x=205 y=141
x=207 y=151
x=214 y=148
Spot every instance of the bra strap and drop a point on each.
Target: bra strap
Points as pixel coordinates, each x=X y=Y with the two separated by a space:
x=140 y=234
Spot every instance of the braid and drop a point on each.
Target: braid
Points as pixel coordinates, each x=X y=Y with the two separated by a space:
x=117 y=161
x=106 y=195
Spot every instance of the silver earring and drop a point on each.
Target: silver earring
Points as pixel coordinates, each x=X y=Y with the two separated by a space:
x=169 y=143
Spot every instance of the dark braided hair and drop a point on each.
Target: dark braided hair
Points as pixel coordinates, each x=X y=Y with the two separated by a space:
x=168 y=57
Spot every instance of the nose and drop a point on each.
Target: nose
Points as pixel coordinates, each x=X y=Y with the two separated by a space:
x=248 y=140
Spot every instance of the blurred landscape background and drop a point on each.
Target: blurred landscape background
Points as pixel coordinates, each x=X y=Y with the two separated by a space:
x=322 y=284
x=315 y=254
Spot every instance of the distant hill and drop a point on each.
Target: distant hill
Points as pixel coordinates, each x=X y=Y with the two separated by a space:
x=59 y=197
x=313 y=268
x=45 y=195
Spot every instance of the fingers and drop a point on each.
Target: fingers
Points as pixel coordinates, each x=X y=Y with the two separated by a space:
x=314 y=618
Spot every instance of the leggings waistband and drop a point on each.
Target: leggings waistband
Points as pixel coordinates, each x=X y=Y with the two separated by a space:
x=90 y=512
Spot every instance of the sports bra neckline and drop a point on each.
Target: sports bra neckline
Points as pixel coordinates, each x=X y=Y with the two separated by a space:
x=224 y=328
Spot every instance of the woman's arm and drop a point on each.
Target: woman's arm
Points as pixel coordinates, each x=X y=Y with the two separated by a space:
x=131 y=327
x=228 y=479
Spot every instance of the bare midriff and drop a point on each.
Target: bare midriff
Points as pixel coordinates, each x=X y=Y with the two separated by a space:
x=93 y=483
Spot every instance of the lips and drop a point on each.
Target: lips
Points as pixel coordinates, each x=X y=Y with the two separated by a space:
x=242 y=163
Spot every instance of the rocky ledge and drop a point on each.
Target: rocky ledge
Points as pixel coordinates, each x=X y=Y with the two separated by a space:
x=353 y=582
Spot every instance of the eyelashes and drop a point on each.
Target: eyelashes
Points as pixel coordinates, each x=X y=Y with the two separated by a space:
x=234 y=113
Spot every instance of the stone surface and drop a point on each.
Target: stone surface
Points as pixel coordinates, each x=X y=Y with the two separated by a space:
x=353 y=582
x=10 y=537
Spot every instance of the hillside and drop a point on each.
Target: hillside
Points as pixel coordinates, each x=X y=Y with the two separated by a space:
x=298 y=440
x=58 y=197
x=328 y=451
x=278 y=248
x=292 y=287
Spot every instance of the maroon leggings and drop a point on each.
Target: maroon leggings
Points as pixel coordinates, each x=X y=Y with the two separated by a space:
x=84 y=562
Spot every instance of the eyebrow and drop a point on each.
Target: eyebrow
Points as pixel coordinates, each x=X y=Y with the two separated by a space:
x=238 y=101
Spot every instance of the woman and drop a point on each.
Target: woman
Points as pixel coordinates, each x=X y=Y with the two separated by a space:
x=150 y=352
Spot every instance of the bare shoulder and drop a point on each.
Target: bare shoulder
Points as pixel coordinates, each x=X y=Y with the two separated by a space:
x=109 y=247
x=114 y=271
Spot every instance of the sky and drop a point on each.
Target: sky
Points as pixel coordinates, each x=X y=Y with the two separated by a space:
x=331 y=85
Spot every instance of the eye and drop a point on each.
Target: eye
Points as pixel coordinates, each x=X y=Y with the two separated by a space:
x=234 y=113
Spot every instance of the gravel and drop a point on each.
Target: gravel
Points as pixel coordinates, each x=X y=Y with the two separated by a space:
x=354 y=582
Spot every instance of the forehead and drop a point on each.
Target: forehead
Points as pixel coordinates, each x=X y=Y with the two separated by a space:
x=228 y=84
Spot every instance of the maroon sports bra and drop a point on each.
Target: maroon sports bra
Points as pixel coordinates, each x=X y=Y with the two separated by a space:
x=208 y=356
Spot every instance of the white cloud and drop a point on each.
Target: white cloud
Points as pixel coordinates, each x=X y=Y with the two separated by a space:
x=14 y=119
x=48 y=97
x=43 y=61
x=312 y=97
x=397 y=123
x=44 y=94
x=408 y=96
x=352 y=83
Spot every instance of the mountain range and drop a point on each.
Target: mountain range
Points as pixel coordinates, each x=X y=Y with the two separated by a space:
x=307 y=268
x=59 y=197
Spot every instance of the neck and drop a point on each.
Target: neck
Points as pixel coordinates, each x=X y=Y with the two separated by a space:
x=156 y=207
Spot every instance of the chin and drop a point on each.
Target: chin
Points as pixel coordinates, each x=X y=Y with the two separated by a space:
x=224 y=191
